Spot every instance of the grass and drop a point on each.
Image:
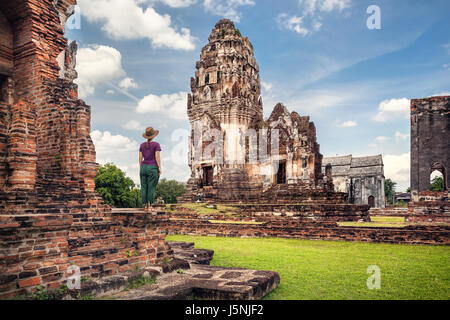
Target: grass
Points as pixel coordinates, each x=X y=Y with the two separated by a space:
x=386 y=221
x=201 y=209
x=235 y=222
x=139 y=282
x=336 y=269
x=377 y=221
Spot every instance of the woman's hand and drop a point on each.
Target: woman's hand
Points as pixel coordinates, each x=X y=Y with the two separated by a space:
x=160 y=171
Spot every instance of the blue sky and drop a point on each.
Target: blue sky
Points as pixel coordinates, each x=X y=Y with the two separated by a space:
x=317 y=57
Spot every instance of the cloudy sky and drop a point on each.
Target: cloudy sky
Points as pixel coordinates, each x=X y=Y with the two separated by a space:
x=318 y=57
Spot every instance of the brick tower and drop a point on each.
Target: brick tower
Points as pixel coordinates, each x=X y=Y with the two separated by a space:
x=50 y=214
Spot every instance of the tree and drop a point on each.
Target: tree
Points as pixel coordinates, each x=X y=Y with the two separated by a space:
x=389 y=190
x=408 y=190
x=169 y=190
x=437 y=184
x=116 y=188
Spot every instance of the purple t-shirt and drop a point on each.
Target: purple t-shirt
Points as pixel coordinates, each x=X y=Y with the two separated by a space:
x=149 y=153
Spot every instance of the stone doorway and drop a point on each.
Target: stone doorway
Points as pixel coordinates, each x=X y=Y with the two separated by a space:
x=281 y=174
x=208 y=174
x=371 y=201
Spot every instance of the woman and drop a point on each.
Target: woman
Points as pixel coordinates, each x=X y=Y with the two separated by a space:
x=150 y=164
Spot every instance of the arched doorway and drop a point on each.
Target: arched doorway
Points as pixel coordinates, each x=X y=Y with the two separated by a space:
x=438 y=177
x=371 y=201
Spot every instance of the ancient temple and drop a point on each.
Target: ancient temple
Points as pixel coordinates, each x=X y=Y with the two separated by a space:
x=234 y=153
x=361 y=177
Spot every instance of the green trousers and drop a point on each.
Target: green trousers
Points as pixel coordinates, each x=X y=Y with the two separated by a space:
x=149 y=180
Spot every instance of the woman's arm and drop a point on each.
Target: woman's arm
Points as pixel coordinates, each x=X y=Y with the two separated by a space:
x=158 y=161
x=140 y=159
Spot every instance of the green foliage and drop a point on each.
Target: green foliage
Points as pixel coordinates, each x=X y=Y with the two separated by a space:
x=116 y=188
x=336 y=270
x=408 y=190
x=129 y=254
x=437 y=184
x=238 y=32
x=169 y=190
x=181 y=271
x=141 y=281
x=89 y=296
x=389 y=190
x=401 y=203
x=41 y=293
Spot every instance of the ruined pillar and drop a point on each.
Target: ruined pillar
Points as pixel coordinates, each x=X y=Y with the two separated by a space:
x=430 y=142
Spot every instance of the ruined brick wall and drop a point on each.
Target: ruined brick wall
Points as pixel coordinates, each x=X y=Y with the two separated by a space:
x=50 y=215
x=288 y=227
x=45 y=128
x=430 y=143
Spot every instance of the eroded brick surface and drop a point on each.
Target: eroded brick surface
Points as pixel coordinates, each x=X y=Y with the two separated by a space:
x=50 y=215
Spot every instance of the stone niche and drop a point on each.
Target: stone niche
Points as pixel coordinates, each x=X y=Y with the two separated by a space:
x=50 y=215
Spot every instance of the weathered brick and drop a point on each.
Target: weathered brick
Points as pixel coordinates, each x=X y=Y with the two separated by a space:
x=29 y=282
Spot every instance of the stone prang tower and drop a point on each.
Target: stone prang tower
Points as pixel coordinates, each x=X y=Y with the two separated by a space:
x=225 y=101
x=226 y=86
x=236 y=155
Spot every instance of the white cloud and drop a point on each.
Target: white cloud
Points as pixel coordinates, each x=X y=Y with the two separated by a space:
x=171 y=105
x=128 y=83
x=393 y=109
x=397 y=168
x=347 y=124
x=267 y=86
x=292 y=23
x=95 y=64
x=106 y=143
x=401 y=136
x=133 y=125
x=312 y=100
x=435 y=174
x=311 y=7
x=127 y=19
x=447 y=47
x=227 y=8
x=381 y=139
x=110 y=91
x=117 y=149
x=124 y=153
x=441 y=94
x=176 y=3
x=311 y=15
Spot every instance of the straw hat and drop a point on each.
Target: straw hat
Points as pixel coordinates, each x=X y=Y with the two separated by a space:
x=150 y=133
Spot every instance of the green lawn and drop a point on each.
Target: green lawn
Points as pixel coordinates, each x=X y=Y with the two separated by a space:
x=336 y=269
